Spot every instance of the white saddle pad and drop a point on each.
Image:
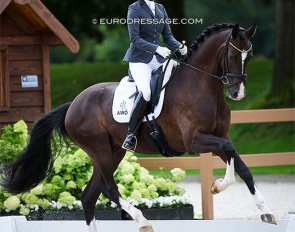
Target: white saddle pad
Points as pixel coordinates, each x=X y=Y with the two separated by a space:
x=123 y=102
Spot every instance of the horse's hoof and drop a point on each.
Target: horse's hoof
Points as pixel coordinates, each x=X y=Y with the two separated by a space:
x=146 y=229
x=268 y=218
x=214 y=189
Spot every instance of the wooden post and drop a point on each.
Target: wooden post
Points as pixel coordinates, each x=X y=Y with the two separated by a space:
x=206 y=181
x=46 y=77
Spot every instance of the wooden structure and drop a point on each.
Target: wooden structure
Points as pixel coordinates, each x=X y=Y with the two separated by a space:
x=27 y=30
x=206 y=162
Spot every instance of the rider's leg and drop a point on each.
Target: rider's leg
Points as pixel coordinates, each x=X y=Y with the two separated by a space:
x=136 y=117
x=141 y=74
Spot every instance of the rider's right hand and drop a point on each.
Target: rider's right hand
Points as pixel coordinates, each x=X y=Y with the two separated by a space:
x=163 y=51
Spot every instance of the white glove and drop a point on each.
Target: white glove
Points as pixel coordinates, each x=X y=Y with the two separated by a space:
x=183 y=50
x=163 y=51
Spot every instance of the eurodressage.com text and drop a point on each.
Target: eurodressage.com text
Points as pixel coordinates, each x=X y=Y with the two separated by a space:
x=147 y=21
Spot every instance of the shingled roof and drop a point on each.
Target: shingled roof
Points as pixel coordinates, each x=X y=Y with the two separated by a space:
x=34 y=18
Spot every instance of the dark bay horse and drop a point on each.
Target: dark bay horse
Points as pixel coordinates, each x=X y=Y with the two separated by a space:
x=195 y=119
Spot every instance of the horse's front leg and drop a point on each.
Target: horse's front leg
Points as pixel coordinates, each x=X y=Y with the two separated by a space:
x=229 y=178
x=226 y=151
x=244 y=172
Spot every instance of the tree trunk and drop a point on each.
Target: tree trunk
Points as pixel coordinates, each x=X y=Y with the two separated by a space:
x=283 y=79
x=175 y=10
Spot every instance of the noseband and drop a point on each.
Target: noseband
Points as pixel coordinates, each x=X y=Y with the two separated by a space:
x=226 y=73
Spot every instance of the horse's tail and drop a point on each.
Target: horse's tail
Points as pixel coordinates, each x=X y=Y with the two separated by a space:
x=35 y=162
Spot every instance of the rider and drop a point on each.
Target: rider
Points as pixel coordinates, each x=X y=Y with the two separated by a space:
x=147 y=20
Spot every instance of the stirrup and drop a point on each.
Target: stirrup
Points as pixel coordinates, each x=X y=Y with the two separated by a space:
x=133 y=148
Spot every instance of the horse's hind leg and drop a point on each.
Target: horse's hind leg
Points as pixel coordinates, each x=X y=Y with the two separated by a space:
x=136 y=214
x=107 y=167
x=89 y=198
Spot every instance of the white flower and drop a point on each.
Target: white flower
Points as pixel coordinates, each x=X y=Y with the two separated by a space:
x=113 y=205
x=59 y=205
x=77 y=203
x=149 y=203
x=133 y=202
x=36 y=207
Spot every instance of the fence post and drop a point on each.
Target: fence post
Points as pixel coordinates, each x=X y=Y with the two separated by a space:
x=206 y=173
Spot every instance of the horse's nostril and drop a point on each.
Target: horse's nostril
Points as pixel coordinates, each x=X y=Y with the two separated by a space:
x=236 y=94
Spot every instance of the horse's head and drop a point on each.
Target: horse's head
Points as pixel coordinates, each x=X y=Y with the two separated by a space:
x=236 y=55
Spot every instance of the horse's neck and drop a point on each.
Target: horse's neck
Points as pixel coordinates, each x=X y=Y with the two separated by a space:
x=197 y=85
x=207 y=55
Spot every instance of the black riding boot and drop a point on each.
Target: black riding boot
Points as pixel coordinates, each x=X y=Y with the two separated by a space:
x=135 y=121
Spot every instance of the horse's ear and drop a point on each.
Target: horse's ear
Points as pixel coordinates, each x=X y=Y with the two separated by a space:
x=251 y=31
x=235 y=31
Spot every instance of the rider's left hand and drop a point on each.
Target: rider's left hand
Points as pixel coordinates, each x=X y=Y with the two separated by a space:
x=183 y=49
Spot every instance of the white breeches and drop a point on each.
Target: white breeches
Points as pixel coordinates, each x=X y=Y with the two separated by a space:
x=141 y=74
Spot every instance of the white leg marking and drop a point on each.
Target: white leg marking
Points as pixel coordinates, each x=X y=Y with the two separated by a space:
x=92 y=226
x=260 y=202
x=229 y=177
x=135 y=213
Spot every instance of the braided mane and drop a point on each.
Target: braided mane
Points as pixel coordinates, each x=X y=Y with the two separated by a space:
x=202 y=36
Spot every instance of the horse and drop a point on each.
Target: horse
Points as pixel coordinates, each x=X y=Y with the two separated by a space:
x=195 y=119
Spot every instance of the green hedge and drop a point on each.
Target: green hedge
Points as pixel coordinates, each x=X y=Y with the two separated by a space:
x=68 y=80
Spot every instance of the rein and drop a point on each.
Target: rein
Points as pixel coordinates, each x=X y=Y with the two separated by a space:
x=223 y=78
x=226 y=74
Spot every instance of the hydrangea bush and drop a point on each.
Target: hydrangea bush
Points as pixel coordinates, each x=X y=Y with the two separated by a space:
x=71 y=172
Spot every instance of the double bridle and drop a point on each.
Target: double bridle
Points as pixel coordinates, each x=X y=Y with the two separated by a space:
x=226 y=73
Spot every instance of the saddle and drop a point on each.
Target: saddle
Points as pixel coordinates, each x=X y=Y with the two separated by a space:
x=155 y=86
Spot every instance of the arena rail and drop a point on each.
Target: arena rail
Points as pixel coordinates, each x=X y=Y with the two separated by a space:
x=206 y=162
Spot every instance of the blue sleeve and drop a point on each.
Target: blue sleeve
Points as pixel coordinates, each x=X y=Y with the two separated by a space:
x=167 y=35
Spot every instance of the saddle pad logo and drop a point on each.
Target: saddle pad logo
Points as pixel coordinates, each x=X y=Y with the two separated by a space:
x=124 y=110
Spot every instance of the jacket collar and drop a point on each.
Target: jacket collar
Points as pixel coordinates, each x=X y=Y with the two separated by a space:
x=147 y=8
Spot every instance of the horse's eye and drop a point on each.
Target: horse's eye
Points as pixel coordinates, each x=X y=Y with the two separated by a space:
x=232 y=58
